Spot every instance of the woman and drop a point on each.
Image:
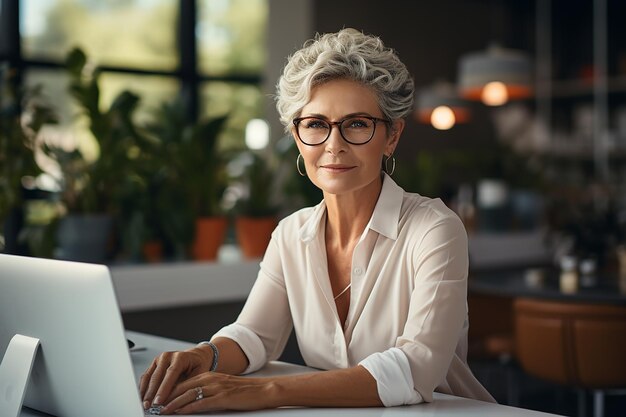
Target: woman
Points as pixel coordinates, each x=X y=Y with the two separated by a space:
x=373 y=279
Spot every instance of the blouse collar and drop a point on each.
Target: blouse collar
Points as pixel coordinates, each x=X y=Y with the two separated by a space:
x=384 y=220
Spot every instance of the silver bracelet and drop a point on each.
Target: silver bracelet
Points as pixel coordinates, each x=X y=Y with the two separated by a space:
x=216 y=354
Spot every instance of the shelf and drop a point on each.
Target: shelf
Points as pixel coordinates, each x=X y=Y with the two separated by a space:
x=582 y=153
x=583 y=88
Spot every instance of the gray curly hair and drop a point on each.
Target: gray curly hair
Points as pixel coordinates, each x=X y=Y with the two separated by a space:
x=346 y=54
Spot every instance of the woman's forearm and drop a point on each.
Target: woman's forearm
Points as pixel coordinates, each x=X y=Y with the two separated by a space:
x=231 y=360
x=352 y=387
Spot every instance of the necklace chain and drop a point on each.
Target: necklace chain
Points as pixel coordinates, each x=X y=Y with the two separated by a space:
x=343 y=291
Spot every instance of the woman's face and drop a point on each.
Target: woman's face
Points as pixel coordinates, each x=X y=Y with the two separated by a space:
x=336 y=166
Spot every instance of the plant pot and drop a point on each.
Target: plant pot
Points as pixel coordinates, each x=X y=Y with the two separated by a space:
x=253 y=234
x=153 y=251
x=210 y=233
x=84 y=238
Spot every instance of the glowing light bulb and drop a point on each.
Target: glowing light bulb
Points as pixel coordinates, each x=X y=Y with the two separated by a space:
x=257 y=134
x=442 y=118
x=495 y=94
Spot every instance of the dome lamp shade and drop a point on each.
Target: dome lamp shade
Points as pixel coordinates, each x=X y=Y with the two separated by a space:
x=495 y=76
x=440 y=106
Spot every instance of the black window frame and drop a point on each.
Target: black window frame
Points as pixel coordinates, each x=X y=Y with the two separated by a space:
x=187 y=73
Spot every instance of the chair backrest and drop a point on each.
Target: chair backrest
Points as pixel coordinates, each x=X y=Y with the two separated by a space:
x=576 y=344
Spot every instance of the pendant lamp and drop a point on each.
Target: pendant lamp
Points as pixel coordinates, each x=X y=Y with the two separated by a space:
x=440 y=106
x=495 y=76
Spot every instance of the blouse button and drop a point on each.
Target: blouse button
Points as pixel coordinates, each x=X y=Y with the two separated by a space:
x=358 y=271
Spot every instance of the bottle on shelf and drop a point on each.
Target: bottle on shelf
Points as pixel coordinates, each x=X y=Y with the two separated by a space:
x=568 y=281
x=588 y=277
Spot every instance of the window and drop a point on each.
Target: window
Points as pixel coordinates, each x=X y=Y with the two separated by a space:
x=212 y=50
x=242 y=102
x=231 y=36
x=113 y=33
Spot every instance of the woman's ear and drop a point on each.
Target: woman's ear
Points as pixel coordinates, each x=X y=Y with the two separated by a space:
x=396 y=131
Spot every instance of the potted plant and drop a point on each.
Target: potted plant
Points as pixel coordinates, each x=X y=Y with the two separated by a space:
x=22 y=114
x=93 y=189
x=256 y=214
x=194 y=179
x=142 y=208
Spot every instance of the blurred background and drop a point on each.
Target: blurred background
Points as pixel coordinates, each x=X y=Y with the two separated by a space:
x=143 y=134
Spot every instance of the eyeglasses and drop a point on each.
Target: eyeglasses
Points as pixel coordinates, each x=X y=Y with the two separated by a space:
x=356 y=130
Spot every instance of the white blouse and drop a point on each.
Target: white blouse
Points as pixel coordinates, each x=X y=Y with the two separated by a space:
x=407 y=321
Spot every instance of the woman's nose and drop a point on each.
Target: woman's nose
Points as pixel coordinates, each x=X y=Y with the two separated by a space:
x=335 y=142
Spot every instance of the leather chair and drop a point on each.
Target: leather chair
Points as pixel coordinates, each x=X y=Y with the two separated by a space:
x=574 y=344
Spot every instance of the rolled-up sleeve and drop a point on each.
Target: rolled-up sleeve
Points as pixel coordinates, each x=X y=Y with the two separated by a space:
x=394 y=381
x=264 y=325
x=438 y=306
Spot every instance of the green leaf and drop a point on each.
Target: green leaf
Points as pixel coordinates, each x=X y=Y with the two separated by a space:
x=125 y=103
x=75 y=62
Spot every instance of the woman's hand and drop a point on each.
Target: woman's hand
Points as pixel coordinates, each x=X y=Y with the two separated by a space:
x=212 y=391
x=170 y=368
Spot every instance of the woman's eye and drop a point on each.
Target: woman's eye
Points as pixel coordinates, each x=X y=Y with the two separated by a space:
x=315 y=124
x=357 y=123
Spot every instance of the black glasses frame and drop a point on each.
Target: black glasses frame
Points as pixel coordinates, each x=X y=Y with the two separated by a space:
x=375 y=120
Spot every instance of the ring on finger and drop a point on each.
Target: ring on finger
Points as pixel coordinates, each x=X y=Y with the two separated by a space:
x=199 y=394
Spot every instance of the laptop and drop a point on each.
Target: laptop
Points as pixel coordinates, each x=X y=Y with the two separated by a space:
x=82 y=366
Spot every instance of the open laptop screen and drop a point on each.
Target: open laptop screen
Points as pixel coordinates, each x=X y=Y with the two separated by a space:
x=83 y=366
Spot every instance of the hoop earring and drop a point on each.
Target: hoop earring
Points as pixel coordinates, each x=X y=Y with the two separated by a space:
x=298 y=166
x=393 y=165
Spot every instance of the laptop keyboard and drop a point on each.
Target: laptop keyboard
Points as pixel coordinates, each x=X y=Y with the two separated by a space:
x=153 y=411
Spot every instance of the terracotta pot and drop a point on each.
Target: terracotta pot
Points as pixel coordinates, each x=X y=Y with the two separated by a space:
x=210 y=233
x=253 y=235
x=153 y=251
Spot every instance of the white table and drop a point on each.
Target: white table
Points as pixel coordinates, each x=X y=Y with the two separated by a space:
x=147 y=347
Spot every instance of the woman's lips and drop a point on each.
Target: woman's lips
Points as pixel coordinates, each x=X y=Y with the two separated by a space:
x=337 y=168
